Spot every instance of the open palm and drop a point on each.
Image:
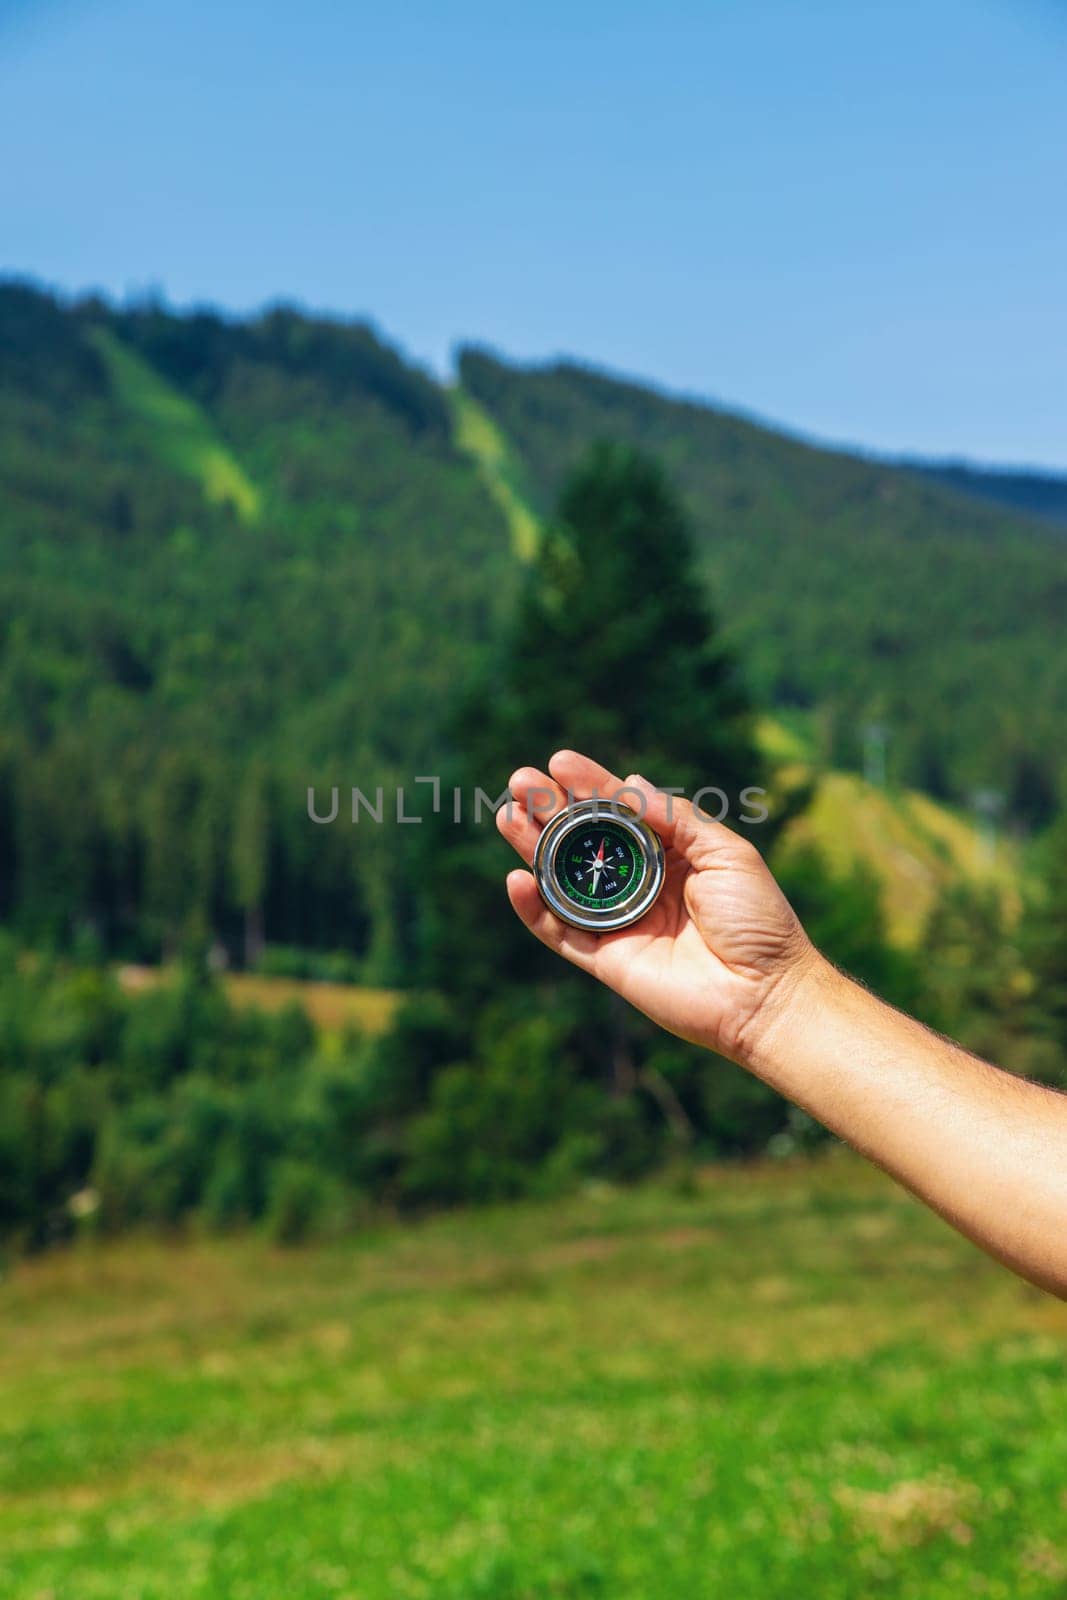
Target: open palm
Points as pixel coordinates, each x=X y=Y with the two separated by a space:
x=718 y=946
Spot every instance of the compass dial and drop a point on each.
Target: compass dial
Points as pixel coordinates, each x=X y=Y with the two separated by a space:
x=598 y=866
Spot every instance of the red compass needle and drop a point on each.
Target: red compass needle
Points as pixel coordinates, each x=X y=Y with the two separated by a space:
x=598 y=864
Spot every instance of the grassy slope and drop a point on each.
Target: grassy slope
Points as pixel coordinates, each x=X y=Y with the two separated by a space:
x=917 y=847
x=180 y=433
x=792 y=1382
x=331 y=1006
x=478 y=436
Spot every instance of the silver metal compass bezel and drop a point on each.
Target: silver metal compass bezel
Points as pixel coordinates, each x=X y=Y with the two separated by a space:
x=645 y=891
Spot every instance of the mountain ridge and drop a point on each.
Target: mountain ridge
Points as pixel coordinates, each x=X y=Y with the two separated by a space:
x=161 y=653
x=851 y=586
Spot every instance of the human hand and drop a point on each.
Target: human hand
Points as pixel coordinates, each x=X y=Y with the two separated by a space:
x=721 y=951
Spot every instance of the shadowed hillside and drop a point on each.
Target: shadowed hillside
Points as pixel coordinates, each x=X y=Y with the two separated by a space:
x=856 y=591
x=235 y=559
x=1037 y=494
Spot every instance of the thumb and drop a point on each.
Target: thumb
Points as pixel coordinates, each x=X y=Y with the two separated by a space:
x=695 y=835
x=660 y=808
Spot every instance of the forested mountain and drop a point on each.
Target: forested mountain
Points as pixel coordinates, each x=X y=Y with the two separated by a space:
x=1037 y=494
x=235 y=559
x=239 y=557
x=854 y=590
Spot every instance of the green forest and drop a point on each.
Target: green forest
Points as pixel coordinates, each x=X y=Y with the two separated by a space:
x=852 y=591
x=242 y=559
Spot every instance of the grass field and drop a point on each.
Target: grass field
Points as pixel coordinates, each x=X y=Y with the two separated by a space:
x=332 y=1007
x=789 y=1382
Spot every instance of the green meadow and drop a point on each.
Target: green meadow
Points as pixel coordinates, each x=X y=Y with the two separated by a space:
x=784 y=1380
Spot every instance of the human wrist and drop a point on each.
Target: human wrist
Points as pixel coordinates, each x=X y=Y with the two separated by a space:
x=803 y=994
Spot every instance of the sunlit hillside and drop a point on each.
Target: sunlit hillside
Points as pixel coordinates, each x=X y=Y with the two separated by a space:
x=236 y=556
x=916 y=846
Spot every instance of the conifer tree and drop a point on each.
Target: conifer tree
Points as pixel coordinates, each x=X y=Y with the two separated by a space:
x=613 y=651
x=251 y=842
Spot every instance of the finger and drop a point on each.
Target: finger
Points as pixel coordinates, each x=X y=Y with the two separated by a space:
x=537 y=794
x=693 y=833
x=583 y=778
x=573 y=943
x=659 y=810
x=707 y=844
x=535 y=799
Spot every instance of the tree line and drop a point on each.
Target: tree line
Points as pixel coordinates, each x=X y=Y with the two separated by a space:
x=505 y=1072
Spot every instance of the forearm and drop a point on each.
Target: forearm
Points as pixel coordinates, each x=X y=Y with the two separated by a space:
x=985 y=1149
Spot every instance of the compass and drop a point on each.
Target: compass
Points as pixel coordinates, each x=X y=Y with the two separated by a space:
x=598 y=866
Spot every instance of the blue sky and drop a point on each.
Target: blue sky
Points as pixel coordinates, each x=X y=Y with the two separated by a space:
x=850 y=218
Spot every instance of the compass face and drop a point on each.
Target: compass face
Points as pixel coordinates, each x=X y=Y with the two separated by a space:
x=598 y=866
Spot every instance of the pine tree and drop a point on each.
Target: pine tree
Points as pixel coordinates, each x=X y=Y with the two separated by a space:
x=613 y=651
x=250 y=854
x=170 y=803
